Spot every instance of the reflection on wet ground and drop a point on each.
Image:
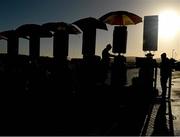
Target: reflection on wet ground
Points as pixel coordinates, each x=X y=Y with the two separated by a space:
x=175 y=102
x=165 y=117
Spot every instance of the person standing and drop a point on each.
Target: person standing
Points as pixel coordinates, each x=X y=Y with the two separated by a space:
x=165 y=73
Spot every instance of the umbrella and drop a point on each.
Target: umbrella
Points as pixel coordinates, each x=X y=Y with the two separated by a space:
x=61 y=26
x=3 y=37
x=34 y=31
x=90 y=22
x=12 y=41
x=6 y=34
x=121 y=18
x=9 y=33
x=61 y=37
x=89 y=26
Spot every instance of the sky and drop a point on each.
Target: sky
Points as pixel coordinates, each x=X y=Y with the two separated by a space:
x=14 y=13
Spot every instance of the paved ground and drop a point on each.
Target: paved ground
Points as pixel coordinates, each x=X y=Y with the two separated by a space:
x=175 y=102
x=165 y=121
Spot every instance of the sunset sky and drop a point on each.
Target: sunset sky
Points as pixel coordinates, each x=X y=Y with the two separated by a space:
x=14 y=13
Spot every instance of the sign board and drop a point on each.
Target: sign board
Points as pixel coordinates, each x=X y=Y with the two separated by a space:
x=150 y=34
x=119 y=39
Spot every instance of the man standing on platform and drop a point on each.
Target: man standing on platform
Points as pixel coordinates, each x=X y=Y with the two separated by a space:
x=165 y=73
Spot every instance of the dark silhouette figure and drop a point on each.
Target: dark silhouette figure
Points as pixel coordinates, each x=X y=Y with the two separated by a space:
x=165 y=72
x=106 y=57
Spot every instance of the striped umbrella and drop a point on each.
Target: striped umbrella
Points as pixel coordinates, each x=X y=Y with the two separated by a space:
x=121 y=18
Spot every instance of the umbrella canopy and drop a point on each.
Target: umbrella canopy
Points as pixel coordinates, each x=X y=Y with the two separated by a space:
x=121 y=18
x=33 y=30
x=12 y=41
x=61 y=26
x=61 y=37
x=3 y=37
x=89 y=26
x=7 y=34
x=90 y=22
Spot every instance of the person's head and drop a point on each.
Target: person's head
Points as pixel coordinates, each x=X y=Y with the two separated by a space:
x=163 y=56
x=108 y=46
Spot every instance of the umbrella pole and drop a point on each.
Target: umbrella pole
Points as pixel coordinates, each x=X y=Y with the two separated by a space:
x=34 y=47
x=89 y=42
x=119 y=39
x=12 y=45
x=60 y=45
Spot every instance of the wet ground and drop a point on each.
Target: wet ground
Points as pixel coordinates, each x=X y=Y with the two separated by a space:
x=175 y=102
x=165 y=122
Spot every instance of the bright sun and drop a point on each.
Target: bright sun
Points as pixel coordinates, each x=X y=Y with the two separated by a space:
x=169 y=24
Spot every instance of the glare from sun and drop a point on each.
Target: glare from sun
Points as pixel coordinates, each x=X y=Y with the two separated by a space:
x=169 y=24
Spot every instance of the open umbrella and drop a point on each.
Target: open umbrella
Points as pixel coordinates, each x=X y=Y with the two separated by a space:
x=90 y=22
x=3 y=37
x=121 y=18
x=12 y=41
x=89 y=26
x=33 y=29
x=34 y=32
x=7 y=34
x=61 y=26
x=61 y=37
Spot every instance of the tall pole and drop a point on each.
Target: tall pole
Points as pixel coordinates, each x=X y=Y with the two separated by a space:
x=173 y=53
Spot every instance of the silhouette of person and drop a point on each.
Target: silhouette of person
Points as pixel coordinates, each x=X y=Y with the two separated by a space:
x=106 y=56
x=165 y=72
